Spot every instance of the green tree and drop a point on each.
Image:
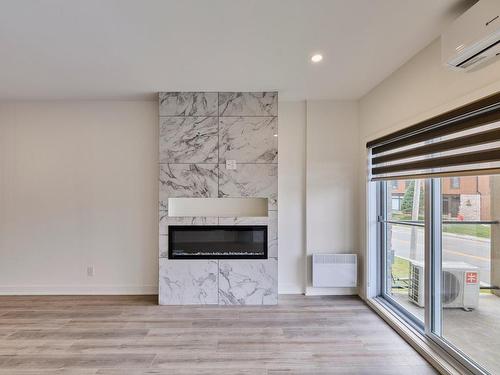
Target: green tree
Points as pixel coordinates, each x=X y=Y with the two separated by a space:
x=407 y=202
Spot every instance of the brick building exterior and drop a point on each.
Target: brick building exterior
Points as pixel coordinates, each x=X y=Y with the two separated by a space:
x=464 y=198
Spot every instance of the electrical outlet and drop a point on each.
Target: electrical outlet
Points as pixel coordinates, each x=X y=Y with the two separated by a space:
x=90 y=270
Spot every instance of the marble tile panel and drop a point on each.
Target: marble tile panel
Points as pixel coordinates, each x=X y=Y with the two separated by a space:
x=193 y=220
x=188 y=282
x=248 y=139
x=188 y=103
x=248 y=282
x=163 y=246
x=248 y=104
x=273 y=234
x=250 y=180
x=188 y=140
x=162 y=222
x=187 y=180
x=240 y=220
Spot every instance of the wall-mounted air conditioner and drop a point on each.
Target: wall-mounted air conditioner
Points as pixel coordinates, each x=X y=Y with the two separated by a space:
x=473 y=38
x=334 y=270
x=459 y=284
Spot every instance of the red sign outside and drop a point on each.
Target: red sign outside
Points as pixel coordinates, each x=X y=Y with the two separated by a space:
x=471 y=277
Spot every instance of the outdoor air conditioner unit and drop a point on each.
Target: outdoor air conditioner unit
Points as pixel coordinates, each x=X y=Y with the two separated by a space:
x=473 y=38
x=460 y=285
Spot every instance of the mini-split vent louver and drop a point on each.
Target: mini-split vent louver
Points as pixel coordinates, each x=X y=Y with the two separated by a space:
x=334 y=270
x=473 y=38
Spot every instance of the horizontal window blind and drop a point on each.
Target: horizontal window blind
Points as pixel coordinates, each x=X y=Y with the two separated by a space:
x=463 y=141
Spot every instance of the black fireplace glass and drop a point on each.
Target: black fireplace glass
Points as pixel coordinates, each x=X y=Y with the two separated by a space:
x=217 y=242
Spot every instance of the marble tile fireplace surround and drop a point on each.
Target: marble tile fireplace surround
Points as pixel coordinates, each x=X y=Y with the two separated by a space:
x=218 y=145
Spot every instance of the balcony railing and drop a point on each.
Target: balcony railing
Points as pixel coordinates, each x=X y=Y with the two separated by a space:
x=420 y=223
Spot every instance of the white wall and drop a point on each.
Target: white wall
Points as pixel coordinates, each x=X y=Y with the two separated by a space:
x=331 y=182
x=318 y=162
x=420 y=89
x=78 y=187
x=292 y=197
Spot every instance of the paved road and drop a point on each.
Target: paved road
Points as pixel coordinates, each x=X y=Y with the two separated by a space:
x=455 y=248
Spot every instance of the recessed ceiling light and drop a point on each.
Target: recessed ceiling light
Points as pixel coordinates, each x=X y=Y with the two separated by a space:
x=316 y=58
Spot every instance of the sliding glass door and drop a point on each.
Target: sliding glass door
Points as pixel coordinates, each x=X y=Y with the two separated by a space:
x=468 y=314
x=440 y=236
x=403 y=237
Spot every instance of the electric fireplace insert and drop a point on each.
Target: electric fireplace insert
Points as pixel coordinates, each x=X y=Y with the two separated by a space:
x=217 y=242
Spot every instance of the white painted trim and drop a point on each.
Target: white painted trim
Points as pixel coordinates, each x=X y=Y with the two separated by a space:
x=311 y=291
x=290 y=289
x=11 y=290
x=437 y=357
x=221 y=207
x=370 y=287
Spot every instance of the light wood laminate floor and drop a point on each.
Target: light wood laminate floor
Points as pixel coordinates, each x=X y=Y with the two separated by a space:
x=115 y=335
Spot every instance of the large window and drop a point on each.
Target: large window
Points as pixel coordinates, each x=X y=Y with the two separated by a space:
x=469 y=311
x=466 y=317
x=438 y=236
x=403 y=243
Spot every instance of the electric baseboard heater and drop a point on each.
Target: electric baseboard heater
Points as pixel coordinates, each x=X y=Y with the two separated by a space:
x=335 y=270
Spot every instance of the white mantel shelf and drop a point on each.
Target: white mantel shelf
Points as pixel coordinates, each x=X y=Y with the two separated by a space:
x=221 y=207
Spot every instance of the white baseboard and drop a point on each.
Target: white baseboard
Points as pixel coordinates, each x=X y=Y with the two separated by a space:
x=290 y=289
x=311 y=291
x=12 y=290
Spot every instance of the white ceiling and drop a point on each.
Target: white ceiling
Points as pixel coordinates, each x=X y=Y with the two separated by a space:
x=131 y=48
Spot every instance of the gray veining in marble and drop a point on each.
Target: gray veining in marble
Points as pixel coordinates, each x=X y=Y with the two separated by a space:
x=250 y=180
x=188 y=282
x=163 y=246
x=248 y=139
x=248 y=282
x=273 y=234
x=240 y=220
x=248 y=104
x=198 y=132
x=187 y=180
x=163 y=222
x=188 y=139
x=272 y=228
x=188 y=103
x=193 y=220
